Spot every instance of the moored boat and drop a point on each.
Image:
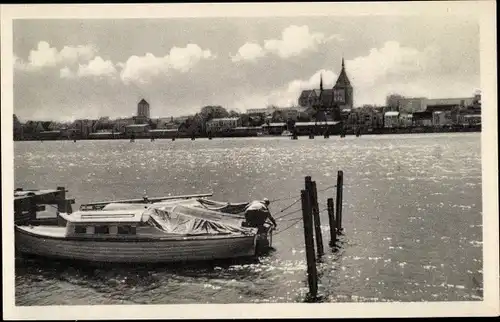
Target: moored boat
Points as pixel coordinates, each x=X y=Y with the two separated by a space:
x=165 y=231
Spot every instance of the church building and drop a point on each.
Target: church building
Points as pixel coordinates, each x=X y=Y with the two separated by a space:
x=330 y=101
x=342 y=90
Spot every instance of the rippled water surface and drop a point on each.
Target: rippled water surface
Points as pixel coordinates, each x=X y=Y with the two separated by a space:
x=412 y=217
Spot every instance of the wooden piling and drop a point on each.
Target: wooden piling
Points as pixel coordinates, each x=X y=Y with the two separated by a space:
x=62 y=205
x=32 y=210
x=338 y=214
x=316 y=218
x=312 y=273
x=331 y=221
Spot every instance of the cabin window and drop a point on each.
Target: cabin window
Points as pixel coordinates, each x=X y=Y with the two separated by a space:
x=90 y=230
x=80 y=229
x=113 y=230
x=102 y=229
x=126 y=230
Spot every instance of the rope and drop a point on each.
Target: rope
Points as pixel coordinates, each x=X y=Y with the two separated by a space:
x=281 y=199
x=294 y=223
x=297 y=196
x=289 y=206
x=288 y=214
x=289 y=219
x=329 y=187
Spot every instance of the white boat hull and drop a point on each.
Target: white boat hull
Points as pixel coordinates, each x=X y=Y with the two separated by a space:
x=136 y=251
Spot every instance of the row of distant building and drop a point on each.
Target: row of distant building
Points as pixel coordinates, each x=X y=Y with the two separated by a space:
x=317 y=105
x=398 y=112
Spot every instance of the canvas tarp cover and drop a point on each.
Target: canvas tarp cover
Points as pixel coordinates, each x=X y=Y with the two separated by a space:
x=187 y=219
x=231 y=208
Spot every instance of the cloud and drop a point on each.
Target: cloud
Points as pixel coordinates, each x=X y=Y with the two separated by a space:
x=392 y=68
x=248 y=51
x=19 y=64
x=46 y=56
x=142 y=69
x=288 y=94
x=97 y=67
x=390 y=61
x=294 y=41
x=65 y=72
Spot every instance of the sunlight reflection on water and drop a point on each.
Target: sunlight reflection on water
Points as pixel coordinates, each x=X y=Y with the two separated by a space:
x=402 y=195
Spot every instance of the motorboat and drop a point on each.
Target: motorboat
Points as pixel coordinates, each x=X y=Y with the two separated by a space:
x=174 y=230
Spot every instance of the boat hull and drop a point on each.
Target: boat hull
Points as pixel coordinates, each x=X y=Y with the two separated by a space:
x=136 y=251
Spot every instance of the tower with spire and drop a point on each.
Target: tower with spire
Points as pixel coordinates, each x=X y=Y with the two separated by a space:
x=342 y=90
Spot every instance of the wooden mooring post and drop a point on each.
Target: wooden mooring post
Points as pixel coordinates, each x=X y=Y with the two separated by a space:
x=340 y=186
x=312 y=273
x=331 y=220
x=317 y=223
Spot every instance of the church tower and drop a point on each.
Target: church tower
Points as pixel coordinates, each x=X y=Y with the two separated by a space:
x=342 y=90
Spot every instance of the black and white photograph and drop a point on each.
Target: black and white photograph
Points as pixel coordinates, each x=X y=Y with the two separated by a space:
x=264 y=160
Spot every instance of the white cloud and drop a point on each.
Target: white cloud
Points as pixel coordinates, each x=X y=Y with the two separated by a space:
x=46 y=56
x=249 y=51
x=185 y=58
x=142 y=69
x=297 y=86
x=288 y=94
x=65 y=72
x=294 y=41
x=391 y=60
x=389 y=69
x=97 y=67
x=74 y=54
x=20 y=64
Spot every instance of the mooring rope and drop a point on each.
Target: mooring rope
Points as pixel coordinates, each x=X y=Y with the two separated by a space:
x=296 y=220
x=281 y=199
x=298 y=196
x=288 y=214
x=294 y=223
x=289 y=206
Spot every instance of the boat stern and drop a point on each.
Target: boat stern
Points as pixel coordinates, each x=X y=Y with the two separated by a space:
x=264 y=240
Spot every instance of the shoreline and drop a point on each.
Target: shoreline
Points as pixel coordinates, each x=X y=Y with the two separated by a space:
x=384 y=131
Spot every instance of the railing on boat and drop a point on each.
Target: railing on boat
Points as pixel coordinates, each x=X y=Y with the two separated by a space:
x=101 y=204
x=28 y=202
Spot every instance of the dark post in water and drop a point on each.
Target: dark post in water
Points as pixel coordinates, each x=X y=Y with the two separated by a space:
x=317 y=222
x=331 y=219
x=312 y=274
x=63 y=205
x=338 y=215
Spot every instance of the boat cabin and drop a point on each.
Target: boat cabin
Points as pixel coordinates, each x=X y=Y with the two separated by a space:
x=104 y=223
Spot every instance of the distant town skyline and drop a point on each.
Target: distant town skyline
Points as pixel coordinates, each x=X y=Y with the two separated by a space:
x=70 y=69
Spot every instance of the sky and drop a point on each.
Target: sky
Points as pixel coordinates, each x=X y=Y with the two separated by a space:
x=70 y=69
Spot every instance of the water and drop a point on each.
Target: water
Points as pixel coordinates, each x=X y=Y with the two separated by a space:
x=412 y=217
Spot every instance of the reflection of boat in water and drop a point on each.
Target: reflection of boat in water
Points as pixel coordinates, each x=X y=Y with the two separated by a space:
x=286 y=133
x=165 y=231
